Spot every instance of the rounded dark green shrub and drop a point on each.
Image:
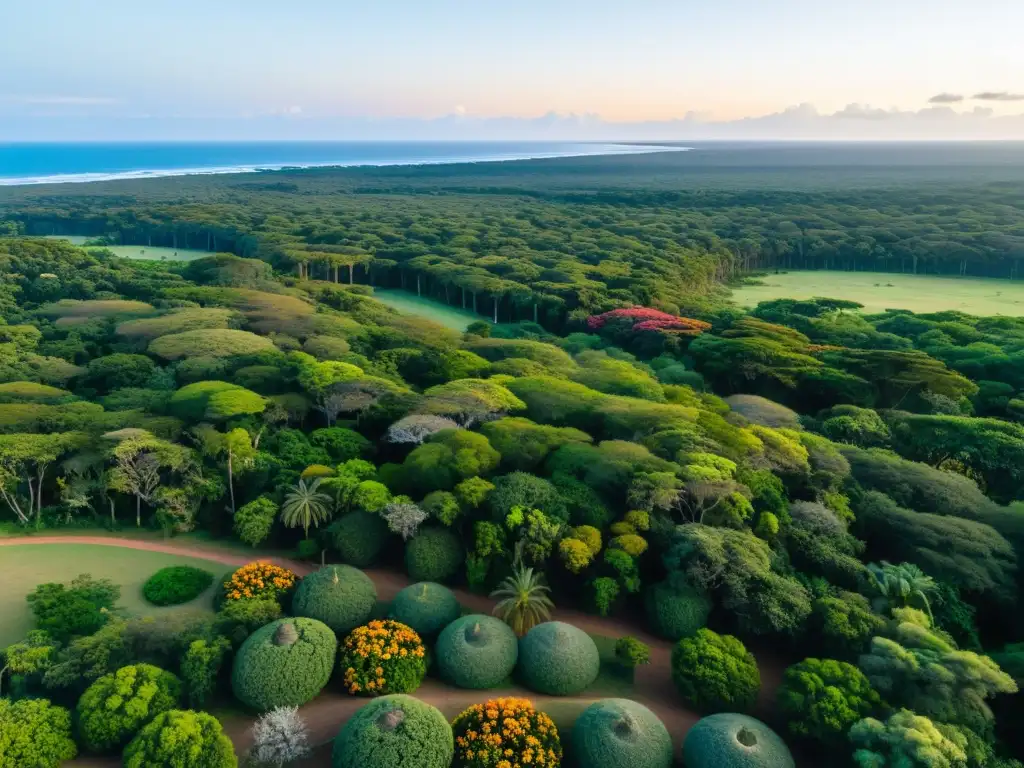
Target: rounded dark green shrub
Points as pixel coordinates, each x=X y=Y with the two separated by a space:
x=619 y=733
x=395 y=732
x=729 y=740
x=676 y=610
x=426 y=607
x=181 y=739
x=116 y=706
x=176 y=584
x=476 y=651
x=359 y=537
x=558 y=659
x=434 y=554
x=340 y=596
x=285 y=663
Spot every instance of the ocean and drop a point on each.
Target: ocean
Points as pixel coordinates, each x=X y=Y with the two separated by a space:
x=65 y=163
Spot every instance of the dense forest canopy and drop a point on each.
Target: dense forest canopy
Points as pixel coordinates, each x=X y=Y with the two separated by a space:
x=543 y=240
x=845 y=487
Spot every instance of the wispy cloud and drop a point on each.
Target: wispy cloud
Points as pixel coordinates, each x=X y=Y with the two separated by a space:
x=946 y=98
x=67 y=101
x=998 y=96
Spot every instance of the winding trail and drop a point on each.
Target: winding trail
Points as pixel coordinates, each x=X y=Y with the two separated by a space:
x=653 y=685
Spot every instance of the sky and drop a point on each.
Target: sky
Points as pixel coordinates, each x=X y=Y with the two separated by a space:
x=195 y=69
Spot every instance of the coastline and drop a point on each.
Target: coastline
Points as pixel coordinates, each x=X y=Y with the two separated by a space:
x=601 y=149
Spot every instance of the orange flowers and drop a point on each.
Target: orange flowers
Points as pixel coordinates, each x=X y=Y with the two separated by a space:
x=505 y=733
x=382 y=657
x=260 y=579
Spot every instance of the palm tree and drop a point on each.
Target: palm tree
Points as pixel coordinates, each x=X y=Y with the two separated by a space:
x=523 y=600
x=902 y=585
x=305 y=505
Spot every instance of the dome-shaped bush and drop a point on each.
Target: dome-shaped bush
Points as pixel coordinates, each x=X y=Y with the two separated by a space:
x=426 y=607
x=340 y=596
x=285 y=663
x=502 y=732
x=181 y=739
x=434 y=554
x=359 y=538
x=558 y=659
x=619 y=733
x=728 y=740
x=176 y=584
x=382 y=657
x=676 y=610
x=116 y=706
x=476 y=652
x=395 y=732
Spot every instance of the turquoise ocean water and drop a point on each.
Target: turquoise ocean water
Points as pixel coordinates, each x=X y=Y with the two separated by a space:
x=27 y=163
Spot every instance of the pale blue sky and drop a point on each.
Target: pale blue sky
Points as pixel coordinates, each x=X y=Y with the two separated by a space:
x=68 y=62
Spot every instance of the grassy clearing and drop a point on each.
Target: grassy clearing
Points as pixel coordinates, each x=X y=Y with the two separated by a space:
x=878 y=291
x=25 y=566
x=145 y=253
x=409 y=303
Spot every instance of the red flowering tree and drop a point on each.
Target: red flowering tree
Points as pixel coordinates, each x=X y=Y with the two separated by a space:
x=639 y=319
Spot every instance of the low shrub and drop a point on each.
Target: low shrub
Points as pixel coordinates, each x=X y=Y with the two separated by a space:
x=505 y=731
x=434 y=554
x=558 y=659
x=675 y=609
x=476 y=651
x=729 y=740
x=258 y=580
x=359 y=538
x=619 y=733
x=240 y=618
x=426 y=607
x=115 y=707
x=34 y=732
x=715 y=672
x=285 y=663
x=631 y=652
x=340 y=596
x=176 y=584
x=181 y=739
x=382 y=657
x=395 y=731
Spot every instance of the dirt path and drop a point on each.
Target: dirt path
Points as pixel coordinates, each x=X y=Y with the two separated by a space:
x=653 y=685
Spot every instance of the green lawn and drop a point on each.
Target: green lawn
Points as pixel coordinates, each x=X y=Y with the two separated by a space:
x=878 y=291
x=411 y=304
x=138 y=251
x=27 y=565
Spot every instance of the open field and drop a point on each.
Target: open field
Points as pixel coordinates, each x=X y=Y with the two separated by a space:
x=143 y=252
x=411 y=304
x=27 y=565
x=879 y=291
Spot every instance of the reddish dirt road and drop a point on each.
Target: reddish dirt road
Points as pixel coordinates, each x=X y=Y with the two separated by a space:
x=653 y=685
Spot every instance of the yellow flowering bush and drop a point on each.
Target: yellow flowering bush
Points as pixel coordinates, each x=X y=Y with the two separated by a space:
x=260 y=580
x=631 y=544
x=382 y=657
x=505 y=733
x=575 y=554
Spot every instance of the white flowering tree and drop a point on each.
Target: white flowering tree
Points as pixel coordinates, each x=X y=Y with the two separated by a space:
x=280 y=737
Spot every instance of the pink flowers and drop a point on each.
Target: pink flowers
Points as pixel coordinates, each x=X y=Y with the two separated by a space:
x=637 y=314
x=647 y=319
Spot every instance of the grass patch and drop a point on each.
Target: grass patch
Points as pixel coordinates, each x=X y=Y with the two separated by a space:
x=411 y=304
x=878 y=291
x=27 y=565
x=146 y=253
x=615 y=680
